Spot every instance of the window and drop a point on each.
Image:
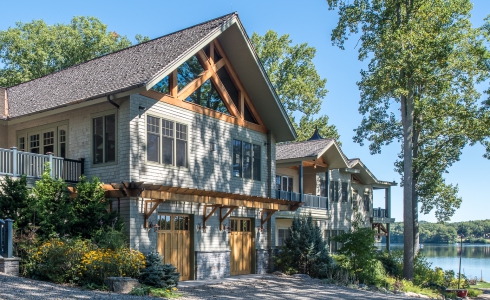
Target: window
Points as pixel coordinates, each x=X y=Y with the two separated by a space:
x=246 y=160
x=334 y=190
x=163 y=86
x=206 y=95
x=52 y=138
x=188 y=71
x=104 y=139
x=366 y=202
x=168 y=145
x=240 y=225
x=284 y=183
x=323 y=187
x=345 y=194
x=173 y=222
x=282 y=235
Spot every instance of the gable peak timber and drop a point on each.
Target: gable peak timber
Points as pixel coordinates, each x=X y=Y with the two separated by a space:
x=215 y=68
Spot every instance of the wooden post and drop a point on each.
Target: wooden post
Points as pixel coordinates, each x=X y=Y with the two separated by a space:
x=388 y=215
x=8 y=223
x=14 y=161
x=50 y=154
x=301 y=181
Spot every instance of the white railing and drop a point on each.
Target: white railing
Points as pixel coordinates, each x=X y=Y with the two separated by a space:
x=16 y=163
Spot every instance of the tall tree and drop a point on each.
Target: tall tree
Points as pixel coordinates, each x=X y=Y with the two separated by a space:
x=292 y=73
x=32 y=50
x=424 y=61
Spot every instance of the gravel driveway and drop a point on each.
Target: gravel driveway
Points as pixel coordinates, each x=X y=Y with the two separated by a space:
x=261 y=287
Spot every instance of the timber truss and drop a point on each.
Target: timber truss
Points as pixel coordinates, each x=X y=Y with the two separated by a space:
x=212 y=63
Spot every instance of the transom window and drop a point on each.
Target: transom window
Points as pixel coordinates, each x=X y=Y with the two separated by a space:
x=240 y=225
x=246 y=160
x=173 y=222
x=104 y=139
x=166 y=141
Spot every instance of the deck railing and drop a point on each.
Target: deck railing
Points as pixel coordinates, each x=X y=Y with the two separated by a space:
x=379 y=213
x=16 y=163
x=308 y=199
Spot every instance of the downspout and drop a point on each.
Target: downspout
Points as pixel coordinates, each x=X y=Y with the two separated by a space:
x=112 y=102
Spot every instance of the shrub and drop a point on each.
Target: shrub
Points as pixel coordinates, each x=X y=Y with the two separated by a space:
x=305 y=250
x=110 y=237
x=158 y=274
x=57 y=260
x=98 y=264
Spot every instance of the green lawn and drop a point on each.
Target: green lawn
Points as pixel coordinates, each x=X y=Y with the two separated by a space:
x=482 y=285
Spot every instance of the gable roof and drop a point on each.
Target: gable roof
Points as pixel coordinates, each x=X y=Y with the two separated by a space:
x=115 y=72
x=143 y=65
x=304 y=149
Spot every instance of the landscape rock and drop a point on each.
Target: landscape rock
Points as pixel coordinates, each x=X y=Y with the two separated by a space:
x=302 y=276
x=122 y=285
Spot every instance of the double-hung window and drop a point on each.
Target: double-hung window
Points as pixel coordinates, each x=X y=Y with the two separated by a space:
x=166 y=141
x=104 y=139
x=246 y=160
x=334 y=190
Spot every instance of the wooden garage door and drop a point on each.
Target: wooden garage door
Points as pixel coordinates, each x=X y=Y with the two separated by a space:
x=174 y=242
x=241 y=245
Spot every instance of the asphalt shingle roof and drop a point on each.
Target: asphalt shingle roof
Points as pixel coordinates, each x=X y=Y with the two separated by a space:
x=119 y=71
x=302 y=149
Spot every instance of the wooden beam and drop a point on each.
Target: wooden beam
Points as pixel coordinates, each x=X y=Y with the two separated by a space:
x=153 y=208
x=223 y=218
x=173 y=86
x=269 y=215
x=206 y=217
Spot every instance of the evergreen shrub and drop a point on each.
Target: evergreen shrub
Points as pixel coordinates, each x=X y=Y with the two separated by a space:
x=158 y=274
x=305 y=250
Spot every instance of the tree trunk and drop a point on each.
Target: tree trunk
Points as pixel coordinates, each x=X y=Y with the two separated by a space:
x=407 y=110
x=415 y=198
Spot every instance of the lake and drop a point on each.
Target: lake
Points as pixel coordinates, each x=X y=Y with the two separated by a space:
x=475 y=261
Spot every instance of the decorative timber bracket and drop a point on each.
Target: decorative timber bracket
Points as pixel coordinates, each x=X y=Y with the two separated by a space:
x=380 y=228
x=148 y=211
x=269 y=213
x=206 y=216
x=223 y=218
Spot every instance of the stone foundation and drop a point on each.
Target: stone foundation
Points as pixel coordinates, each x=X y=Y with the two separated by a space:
x=212 y=264
x=265 y=263
x=9 y=266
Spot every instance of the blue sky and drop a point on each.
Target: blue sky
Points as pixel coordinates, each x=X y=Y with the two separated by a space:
x=307 y=22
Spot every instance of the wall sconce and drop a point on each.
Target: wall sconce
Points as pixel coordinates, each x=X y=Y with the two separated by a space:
x=200 y=227
x=260 y=229
x=226 y=228
x=153 y=226
x=141 y=108
x=214 y=147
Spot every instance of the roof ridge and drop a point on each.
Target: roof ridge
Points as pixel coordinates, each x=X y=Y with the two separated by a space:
x=124 y=49
x=304 y=142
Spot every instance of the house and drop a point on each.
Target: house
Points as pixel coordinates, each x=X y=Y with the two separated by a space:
x=335 y=190
x=182 y=130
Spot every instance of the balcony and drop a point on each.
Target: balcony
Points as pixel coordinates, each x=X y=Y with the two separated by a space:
x=308 y=199
x=380 y=215
x=17 y=163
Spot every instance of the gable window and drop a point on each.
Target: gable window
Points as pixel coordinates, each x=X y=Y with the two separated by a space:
x=334 y=190
x=163 y=86
x=246 y=160
x=206 y=95
x=168 y=145
x=51 y=138
x=188 y=71
x=104 y=139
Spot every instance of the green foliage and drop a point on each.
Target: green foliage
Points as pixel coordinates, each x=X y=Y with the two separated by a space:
x=292 y=73
x=15 y=201
x=111 y=237
x=32 y=50
x=358 y=255
x=304 y=251
x=52 y=207
x=57 y=260
x=158 y=274
x=392 y=262
x=90 y=210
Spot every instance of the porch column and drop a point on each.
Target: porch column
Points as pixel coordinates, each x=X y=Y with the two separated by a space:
x=301 y=181
x=327 y=187
x=388 y=215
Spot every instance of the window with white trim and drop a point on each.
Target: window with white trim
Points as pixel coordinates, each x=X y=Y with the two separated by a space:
x=282 y=235
x=167 y=141
x=284 y=183
x=246 y=160
x=50 y=138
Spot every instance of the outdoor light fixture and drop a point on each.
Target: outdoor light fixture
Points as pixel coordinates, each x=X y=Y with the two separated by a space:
x=141 y=107
x=201 y=228
x=214 y=147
